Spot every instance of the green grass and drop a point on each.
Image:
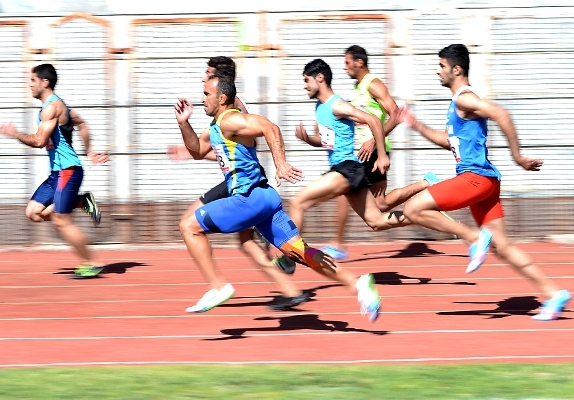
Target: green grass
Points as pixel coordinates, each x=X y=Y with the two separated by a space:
x=477 y=381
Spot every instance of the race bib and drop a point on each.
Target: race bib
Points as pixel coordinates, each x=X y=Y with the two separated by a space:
x=327 y=137
x=221 y=157
x=454 y=147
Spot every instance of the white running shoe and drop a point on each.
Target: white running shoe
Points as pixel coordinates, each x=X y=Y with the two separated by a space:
x=212 y=299
x=368 y=296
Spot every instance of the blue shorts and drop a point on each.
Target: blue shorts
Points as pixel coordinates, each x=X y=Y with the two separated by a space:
x=261 y=208
x=61 y=189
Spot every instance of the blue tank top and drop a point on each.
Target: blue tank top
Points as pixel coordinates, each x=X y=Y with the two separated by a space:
x=239 y=163
x=337 y=135
x=62 y=154
x=467 y=139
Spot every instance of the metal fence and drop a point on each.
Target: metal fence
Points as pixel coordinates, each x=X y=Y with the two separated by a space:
x=523 y=62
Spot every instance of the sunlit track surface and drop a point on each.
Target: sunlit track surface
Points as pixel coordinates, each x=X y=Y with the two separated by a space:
x=134 y=313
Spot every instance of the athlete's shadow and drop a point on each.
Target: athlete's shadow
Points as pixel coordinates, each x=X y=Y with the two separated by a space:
x=412 y=250
x=294 y=323
x=523 y=305
x=268 y=300
x=114 y=268
x=394 y=278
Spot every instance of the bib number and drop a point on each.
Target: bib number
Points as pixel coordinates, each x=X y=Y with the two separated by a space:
x=454 y=147
x=327 y=137
x=221 y=157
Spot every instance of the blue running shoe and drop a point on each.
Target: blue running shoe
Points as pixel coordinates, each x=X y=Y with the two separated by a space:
x=368 y=297
x=431 y=178
x=552 y=308
x=478 y=250
x=335 y=253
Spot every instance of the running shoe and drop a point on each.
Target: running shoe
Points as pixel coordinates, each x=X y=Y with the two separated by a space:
x=335 y=253
x=212 y=298
x=87 y=271
x=368 y=297
x=285 y=264
x=431 y=178
x=552 y=308
x=90 y=206
x=478 y=250
x=283 y=303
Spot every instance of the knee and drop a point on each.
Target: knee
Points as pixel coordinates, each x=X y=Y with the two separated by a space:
x=410 y=211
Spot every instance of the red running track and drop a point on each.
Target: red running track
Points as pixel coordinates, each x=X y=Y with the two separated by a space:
x=134 y=313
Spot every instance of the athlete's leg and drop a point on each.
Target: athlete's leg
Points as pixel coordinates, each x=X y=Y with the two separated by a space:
x=395 y=197
x=74 y=235
x=342 y=213
x=41 y=205
x=519 y=260
x=260 y=257
x=328 y=186
x=38 y=212
x=365 y=206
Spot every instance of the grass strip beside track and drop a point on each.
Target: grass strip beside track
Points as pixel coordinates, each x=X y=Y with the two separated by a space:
x=469 y=381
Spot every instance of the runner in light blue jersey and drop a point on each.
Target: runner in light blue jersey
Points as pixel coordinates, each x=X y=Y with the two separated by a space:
x=57 y=197
x=334 y=131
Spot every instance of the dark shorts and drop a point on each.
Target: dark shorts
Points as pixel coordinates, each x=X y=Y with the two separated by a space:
x=374 y=176
x=61 y=189
x=354 y=172
x=219 y=191
x=261 y=208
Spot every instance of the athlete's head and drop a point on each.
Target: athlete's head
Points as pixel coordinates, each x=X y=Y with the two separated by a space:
x=43 y=77
x=454 y=61
x=356 y=58
x=218 y=91
x=316 y=72
x=220 y=65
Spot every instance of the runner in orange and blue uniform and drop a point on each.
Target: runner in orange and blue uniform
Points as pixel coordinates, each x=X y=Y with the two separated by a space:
x=56 y=198
x=253 y=202
x=477 y=181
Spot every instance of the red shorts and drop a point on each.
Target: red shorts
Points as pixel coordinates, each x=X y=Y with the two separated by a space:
x=480 y=193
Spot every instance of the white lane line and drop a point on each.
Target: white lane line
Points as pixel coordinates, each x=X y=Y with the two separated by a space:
x=325 y=332
x=292 y=362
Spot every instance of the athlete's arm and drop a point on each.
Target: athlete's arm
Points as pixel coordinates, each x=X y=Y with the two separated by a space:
x=48 y=122
x=196 y=147
x=241 y=105
x=301 y=134
x=380 y=92
x=95 y=157
x=439 y=138
x=253 y=126
x=470 y=104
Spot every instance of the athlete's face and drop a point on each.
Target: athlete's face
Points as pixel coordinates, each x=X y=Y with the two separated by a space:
x=210 y=98
x=351 y=66
x=37 y=85
x=311 y=86
x=208 y=72
x=445 y=73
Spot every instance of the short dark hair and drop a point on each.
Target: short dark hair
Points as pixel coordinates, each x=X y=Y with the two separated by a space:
x=46 y=71
x=226 y=86
x=456 y=54
x=358 y=53
x=223 y=65
x=316 y=67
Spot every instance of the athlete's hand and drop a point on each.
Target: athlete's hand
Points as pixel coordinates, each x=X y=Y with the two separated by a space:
x=178 y=152
x=366 y=150
x=183 y=110
x=289 y=173
x=383 y=163
x=98 y=157
x=8 y=130
x=407 y=116
x=301 y=132
x=529 y=164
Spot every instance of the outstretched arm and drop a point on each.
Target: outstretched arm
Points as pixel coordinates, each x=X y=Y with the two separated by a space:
x=471 y=104
x=48 y=122
x=439 y=138
x=196 y=147
x=253 y=126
